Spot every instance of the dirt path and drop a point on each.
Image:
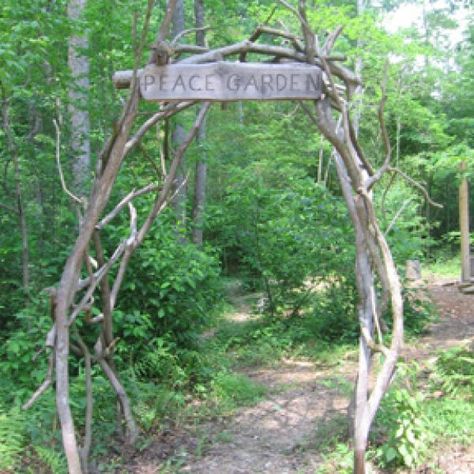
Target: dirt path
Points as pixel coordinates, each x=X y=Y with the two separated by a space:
x=306 y=404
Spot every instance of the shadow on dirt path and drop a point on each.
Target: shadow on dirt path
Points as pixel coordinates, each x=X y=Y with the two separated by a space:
x=306 y=404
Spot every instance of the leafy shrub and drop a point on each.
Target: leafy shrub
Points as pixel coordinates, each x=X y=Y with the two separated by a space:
x=408 y=234
x=283 y=232
x=418 y=311
x=171 y=288
x=155 y=404
x=333 y=317
x=340 y=460
x=161 y=362
x=21 y=347
x=405 y=428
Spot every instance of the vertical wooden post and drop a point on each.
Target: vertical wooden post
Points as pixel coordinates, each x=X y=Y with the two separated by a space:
x=464 y=226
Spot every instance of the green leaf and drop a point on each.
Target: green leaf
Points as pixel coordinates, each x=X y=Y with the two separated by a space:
x=390 y=454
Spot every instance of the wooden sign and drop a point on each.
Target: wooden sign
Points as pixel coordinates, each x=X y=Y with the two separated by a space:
x=225 y=81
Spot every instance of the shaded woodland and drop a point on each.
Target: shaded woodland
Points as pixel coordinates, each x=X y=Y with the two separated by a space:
x=129 y=227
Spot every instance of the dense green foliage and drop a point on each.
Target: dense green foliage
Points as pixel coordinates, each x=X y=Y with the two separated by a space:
x=274 y=219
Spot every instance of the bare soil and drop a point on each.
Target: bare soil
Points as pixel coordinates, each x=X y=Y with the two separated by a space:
x=306 y=405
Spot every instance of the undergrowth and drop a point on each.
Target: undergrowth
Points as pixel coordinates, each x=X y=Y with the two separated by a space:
x=426 y=410
x=172 y=385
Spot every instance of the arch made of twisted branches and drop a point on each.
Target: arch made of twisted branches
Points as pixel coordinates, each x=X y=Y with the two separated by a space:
x=80 y=280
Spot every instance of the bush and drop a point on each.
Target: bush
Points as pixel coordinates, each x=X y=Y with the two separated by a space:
x=283 y=233
x=171 y=288
x=405 y=427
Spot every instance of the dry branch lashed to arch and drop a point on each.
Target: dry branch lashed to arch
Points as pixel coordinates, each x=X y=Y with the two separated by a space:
x=75 y=294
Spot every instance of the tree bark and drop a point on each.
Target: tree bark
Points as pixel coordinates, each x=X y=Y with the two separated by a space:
x=201 y=165
x=178 y=135
x=464 y=226
x=78 y=93
x=108 y=168
x=19 y=208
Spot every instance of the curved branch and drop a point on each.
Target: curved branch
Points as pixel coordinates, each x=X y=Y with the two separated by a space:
x=43 y=387
x=168 y=111
x=417 y=185
x=183 y=33
x=295 y=12
x=73 y=197
x=124 y=202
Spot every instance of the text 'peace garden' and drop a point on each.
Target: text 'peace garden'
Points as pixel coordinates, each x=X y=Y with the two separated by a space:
x=225 y=81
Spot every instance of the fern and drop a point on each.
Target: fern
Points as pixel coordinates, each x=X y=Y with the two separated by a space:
x=454 y=371
x=12 y=438
x=54 y=460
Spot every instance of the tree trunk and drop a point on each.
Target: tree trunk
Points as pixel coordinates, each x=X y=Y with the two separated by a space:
x=464 y=226
x=201 y=165
x=177 y=137
x=19 y=208
x=78 y=93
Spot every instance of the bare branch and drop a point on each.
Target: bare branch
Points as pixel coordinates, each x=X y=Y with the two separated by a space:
x=132 y=430
x=262 y=29
x=89 y=400
x=94 y=281
x=124 y=202
x=372 y=344
x=96 y=320
x=44 y=386
x=385 y=193
x=397 y=215
x=187 y=32
x=167 y=111
x=189 y=48
x=161 y=51
x=386 y=141
x=73 y=197
x=173 y=169
x=329 y=44
x=134 y=242
x=166 y=23
x=294 y=11
x=417 y=185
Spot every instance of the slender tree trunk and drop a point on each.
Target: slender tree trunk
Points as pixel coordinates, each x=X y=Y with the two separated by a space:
x=177 y=137
x=18 y=192
x=464 y=226
x=80 y=127
x=201 y=165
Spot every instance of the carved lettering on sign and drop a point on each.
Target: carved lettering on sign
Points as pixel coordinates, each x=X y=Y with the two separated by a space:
x=224 y=81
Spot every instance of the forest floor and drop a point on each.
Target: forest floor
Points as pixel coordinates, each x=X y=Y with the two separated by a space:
x=305 y=405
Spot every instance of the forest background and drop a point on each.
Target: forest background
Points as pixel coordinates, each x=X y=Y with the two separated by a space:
x=268 y=217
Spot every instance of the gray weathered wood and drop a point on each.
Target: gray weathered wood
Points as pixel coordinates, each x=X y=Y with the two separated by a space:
x=464 y=226
x=226 y=81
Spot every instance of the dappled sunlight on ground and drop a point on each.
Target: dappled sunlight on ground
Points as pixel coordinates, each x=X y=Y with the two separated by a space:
x=306 y=404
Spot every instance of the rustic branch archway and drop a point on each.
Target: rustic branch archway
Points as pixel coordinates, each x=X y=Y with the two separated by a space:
x=329 y=111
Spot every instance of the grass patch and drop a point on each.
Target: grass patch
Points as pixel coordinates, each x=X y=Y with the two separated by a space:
x=451 y=419
x=263 y=341
x=231 y=390
x=331 y=432
x=444 y=266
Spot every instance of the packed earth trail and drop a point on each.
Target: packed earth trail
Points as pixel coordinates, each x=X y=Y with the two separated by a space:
x=306 y=404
